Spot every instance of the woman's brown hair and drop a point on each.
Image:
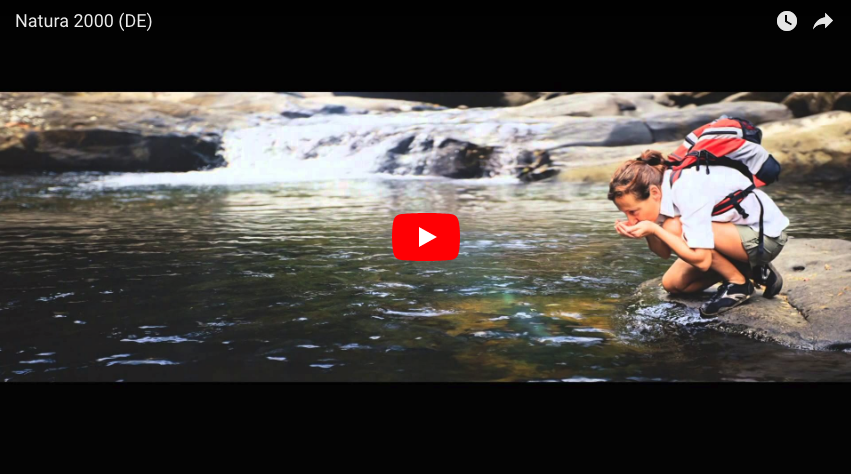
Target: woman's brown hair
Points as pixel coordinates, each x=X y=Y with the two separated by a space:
x=635 y=176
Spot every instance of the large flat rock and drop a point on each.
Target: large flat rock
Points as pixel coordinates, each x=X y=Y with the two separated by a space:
x=812 y=311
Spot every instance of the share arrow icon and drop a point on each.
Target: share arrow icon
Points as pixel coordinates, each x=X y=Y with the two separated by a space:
x=823 y=21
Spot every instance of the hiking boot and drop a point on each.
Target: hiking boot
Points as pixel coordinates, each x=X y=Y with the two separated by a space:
x=767 y=276
x=728 y=296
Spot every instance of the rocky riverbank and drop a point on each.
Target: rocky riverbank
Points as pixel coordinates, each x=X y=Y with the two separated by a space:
x=571 y=136
x=811 y=311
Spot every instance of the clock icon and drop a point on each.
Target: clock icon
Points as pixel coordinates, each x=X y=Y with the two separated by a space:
x=787 y=21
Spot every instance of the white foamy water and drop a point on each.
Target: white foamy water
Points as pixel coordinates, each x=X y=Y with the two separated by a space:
x=268 y=154
x=321 y=148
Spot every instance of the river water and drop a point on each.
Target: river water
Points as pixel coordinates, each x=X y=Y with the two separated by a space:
x=106 y=278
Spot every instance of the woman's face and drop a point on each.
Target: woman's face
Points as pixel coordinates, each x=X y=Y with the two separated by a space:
x=636 y=210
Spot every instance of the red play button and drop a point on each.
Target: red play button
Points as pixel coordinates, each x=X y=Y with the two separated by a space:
x=426 y=237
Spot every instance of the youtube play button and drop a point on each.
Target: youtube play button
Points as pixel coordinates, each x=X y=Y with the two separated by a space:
x=426 y=237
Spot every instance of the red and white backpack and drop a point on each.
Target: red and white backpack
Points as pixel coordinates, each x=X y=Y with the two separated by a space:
x=731 y=142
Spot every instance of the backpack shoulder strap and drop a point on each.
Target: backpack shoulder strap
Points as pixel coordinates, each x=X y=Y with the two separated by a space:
x=675 y=175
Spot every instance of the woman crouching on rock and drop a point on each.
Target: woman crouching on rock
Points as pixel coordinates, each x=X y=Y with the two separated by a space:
x=711 y=249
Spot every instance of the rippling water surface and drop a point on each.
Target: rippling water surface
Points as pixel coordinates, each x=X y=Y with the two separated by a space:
x=297 y=282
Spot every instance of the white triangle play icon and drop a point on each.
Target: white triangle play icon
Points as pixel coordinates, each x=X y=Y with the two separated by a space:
x=425 y=237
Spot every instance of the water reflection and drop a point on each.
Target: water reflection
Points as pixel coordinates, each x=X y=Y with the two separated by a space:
x=298 y=282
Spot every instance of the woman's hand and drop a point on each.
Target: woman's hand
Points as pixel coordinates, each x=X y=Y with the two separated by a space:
x=642 y=229
x=621 y=228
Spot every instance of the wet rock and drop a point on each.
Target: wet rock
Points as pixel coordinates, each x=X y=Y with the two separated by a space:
x=757 y=97
x=596 y=131
x=535 y=166
x=811 y=311
x=804 y=104
x=595 y=104
x=110 y=150
x=52 y=132
x=449 y=158
x=677 y=124
x=681 y=99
